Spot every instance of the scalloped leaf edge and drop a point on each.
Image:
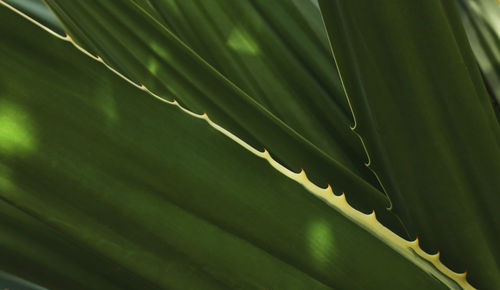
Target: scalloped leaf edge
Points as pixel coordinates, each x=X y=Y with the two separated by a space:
x=430 y=263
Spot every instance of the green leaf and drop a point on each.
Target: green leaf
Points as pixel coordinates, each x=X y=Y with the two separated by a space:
x=9 y=281
x=38 y=10
x=130 y=40
x=39 y=253
x=480 y=19
x=264 y=47
x=166 y=196
x=426 y=122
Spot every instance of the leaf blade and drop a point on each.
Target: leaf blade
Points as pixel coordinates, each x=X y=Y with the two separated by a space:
x=115 y=29
x=106 y=180
x=426 y=124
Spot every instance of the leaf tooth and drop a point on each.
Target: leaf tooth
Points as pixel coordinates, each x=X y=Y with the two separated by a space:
x=342 y=201
x=265 y=154
x=341 y=196
x=302 y=175
x=414 y=243
x=326 y=193
x=462 y=275
x=434 y=258
x=437 y=255
x=372 y=216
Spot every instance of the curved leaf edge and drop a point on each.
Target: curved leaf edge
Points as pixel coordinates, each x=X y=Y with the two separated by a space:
x=430 y=263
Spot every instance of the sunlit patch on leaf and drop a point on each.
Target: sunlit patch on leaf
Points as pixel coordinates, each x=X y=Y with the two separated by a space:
x=153 y=66
x=107 y=105
x=240 y=41
x=321 y=241
x=16 y=130
x=159 y=50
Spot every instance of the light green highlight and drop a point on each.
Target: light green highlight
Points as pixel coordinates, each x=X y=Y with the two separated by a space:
x=241 y=41
x=321 y=241
x=16 y=130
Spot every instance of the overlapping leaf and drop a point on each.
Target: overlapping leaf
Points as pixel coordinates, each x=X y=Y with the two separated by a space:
x=264 y=47
x=128 y=37
x=427 y=123
x=40 y=11
x=158 y=192
x=481 y=20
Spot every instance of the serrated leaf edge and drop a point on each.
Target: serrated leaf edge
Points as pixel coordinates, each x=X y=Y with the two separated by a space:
x=430 y=263
x=459 y=278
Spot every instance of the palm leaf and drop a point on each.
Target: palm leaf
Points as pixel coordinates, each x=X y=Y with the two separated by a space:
x=127 y=37
x=167 y=195
x=427 y=124
x=481 y=19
